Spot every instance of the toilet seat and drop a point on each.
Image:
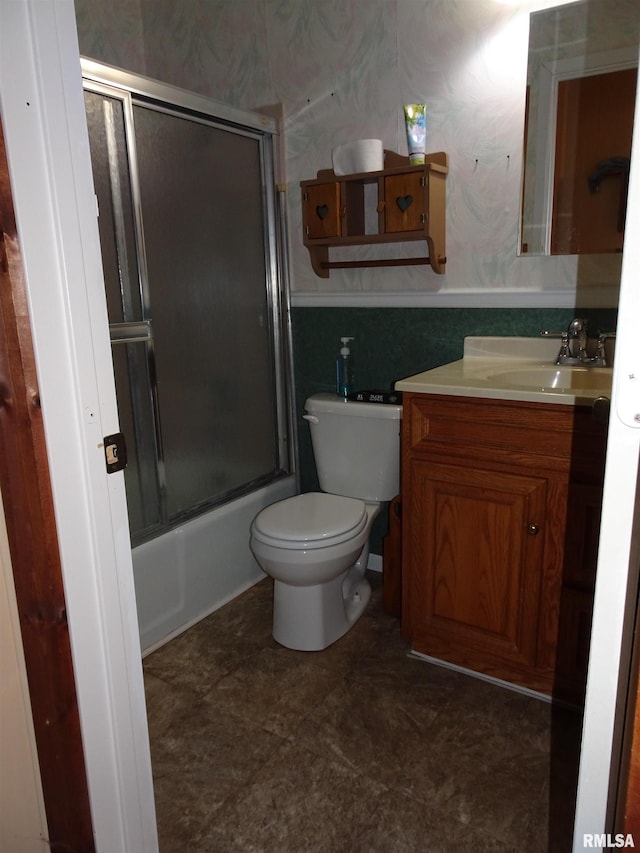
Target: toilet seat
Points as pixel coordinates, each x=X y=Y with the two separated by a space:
x=311 y=520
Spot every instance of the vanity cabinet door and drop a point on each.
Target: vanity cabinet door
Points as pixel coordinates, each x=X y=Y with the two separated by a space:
x=476 y=551
x=501 y=505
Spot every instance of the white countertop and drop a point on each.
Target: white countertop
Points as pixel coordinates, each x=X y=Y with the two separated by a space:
x=513 y=369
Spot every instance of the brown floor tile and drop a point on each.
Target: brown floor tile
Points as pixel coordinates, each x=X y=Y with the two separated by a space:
x=300 y=802
x=204 y=654
x=198 y=764
x=274 y=689
x=357 y=748
x=401 y=824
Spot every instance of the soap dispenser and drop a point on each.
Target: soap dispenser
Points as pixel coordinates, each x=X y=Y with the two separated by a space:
x=344 y=369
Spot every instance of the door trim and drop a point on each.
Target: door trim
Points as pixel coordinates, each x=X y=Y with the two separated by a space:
x=48 y=155
x=35 y=557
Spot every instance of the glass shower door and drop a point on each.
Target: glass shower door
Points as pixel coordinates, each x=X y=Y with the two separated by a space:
x=205 y=247
x=187 y=224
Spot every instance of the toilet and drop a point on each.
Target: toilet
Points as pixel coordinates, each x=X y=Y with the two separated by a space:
x=316 y=545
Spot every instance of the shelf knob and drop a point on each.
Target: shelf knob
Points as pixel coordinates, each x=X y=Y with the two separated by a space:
x=533 y=529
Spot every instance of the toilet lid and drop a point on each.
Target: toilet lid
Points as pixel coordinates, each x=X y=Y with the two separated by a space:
x=312 y=517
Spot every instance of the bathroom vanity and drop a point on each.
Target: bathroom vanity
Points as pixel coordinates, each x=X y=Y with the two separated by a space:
x=502 y=475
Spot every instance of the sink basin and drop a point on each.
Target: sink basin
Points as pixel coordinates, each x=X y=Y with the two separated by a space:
x=553 y=377
x=512 y=368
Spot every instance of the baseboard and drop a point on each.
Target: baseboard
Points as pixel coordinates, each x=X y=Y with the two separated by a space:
x=535 y=694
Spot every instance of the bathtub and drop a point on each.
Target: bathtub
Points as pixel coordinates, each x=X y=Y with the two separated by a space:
x=192 y=570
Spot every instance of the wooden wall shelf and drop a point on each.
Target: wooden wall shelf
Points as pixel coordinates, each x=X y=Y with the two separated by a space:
x=407 y=202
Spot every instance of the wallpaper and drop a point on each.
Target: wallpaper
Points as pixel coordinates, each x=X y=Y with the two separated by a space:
x=342 y=70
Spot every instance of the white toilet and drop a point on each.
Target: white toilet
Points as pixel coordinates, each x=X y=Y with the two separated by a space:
x=316 y=545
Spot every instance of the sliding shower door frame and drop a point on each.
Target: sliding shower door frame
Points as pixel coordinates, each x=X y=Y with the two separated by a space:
x=135 y=90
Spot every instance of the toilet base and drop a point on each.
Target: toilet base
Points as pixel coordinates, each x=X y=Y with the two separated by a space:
x=310 y=618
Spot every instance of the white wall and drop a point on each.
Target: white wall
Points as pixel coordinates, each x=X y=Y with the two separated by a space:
x=23 y=823
x=342 y=70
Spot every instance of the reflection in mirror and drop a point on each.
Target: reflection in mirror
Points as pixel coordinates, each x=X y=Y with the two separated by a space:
x=581 y=83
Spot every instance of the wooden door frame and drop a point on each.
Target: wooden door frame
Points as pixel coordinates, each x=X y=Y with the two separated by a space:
x=35 y=556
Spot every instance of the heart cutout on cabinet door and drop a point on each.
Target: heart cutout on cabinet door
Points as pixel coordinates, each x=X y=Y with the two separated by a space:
x=322 y=210
x=404 y=202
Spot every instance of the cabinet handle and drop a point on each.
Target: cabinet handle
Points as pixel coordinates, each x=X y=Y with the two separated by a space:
x=532 y=529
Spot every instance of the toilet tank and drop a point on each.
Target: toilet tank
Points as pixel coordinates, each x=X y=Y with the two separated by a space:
x=356 y=446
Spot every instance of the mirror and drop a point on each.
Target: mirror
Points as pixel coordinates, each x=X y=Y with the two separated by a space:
x=581 y=84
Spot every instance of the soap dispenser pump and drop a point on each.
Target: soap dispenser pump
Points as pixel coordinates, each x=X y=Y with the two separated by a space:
x=344 y=369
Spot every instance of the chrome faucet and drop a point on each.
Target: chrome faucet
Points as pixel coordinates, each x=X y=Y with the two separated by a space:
x=574 y=346
x=577 y=332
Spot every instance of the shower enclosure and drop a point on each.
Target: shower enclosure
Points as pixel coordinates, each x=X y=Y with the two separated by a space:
x=191 y=246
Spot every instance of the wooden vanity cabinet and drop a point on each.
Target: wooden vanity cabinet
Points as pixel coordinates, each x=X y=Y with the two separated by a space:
x=500 y=519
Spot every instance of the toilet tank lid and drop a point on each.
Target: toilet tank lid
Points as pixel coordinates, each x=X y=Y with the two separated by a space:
x=333 y=404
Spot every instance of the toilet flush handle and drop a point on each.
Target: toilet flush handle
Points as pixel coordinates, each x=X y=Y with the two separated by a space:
x=311 y=418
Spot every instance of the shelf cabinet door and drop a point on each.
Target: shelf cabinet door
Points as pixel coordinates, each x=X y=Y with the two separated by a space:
x=476 y=543
x=404 y=207
x=321 y=210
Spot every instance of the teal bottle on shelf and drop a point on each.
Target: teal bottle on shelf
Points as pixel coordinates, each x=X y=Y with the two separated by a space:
x=344 y=369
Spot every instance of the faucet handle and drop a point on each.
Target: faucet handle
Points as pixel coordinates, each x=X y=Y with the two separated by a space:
x=545 y=333
x=601 y=356
x=565 y=356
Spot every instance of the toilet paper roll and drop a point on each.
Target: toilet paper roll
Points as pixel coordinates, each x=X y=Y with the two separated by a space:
x=362 y=155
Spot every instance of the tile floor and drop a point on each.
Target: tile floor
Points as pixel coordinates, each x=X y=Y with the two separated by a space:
x=357 y=748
